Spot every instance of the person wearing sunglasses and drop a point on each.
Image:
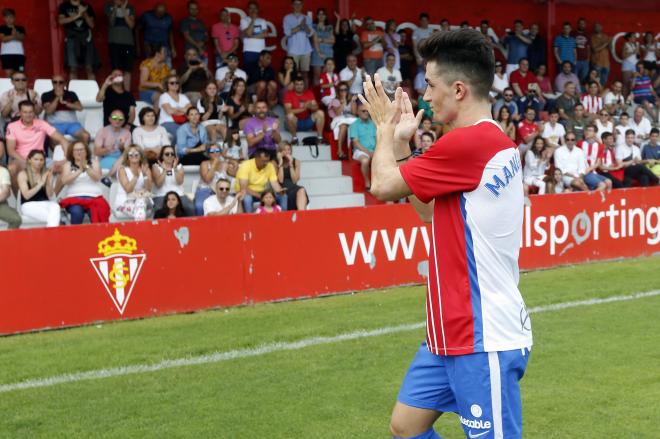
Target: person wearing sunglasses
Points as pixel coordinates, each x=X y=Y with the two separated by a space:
x=210 y=171
x=20 y=92
x=342 y=111
x=60 y=106
x=133 y=200
x=573 y=163
x=603 y=123
x=173 y=105
x=507 y=100
x=221 y=203
x=110 y=141
x=168 y=176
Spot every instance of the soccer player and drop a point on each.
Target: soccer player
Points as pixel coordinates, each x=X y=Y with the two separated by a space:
x=469 y=186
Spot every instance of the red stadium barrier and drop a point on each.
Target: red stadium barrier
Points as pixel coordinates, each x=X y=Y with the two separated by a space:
x=83 y=274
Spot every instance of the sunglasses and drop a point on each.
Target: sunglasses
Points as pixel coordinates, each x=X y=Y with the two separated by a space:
x=212 y=150
x=134 y=154
x=223 y=189
x=173 y=83
x=168 y=154
x=570 y=139
x=54 y=81
x=116 y=118
x=19 y=79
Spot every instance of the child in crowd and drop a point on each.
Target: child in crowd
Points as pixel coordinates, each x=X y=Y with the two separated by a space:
x=555 y=183
x=329 y=80
x=268 y=203
x=233 y=145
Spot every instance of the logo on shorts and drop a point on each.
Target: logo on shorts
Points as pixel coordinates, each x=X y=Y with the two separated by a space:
x=476 y=410
x=474 y=423
x=119 y=268
x=473 y=435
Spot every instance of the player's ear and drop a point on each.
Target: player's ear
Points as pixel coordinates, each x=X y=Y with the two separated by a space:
x=460 y=90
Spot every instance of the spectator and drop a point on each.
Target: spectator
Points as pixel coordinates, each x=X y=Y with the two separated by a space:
x=406 y=56
x=343 y=115
x=213 y=111
x=591 y=147
x=195 y=34
x=233 y=159
x=427 y=139
x=226 y=37
x=191 y=139
x=111 y=141
x=444 y=25
x=12 y=53
x=78 y=19
x=600 y=54
x=221 y=203
x=328 y=83
x=115 y=97
x=353 y=75
x=262 y=132
x=302 y=111
x=298 y=29
x=225 y=75
x=522 y=80
x=173 y=106
x=582 y=49
x=286 y=75
x=239 y=109
x=505 y=121
x=153 y=72
x=36 y=186
x=268 y=203
x=578 y=122
x=573 y=164
x=592 y=101
x=171 y=207
x=81 y=176
x=390 y=76
x=363 y=137
x=595 y=77
x=346 y=41
x=565 y=76
x=421 y=32
x=565 y=49
x=544 y=82
x=651 y=152
x=508 y=102
x=254 y=31
x=630 y=59
x=261 y=82
x=553 y=131
x=603 y=123
x=149 y=136
x=253 y=177
x=324 y=39
x=121 y=45
x=614 y=101
x=536 y=50
x=392 y=40
x=10 y=99
x=500 y=81
x=641 y=126
x=517 y=44
x=60 y=106
x=372 y=42
x=168 y=175
x=536 y=163
x=157 y=25
x=7 y=213
x=642 y=90
x=610 y=167
x=210 y=172
x=630 y=157
x=425 y=126
x=621 y=128
x=555 y=184
x=528 y=130
x=489 y=33
x=288 y=175
x=649 y=49
x=193 y=74
x=133 y=200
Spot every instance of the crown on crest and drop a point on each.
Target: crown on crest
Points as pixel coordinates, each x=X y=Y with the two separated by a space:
x=117 y=243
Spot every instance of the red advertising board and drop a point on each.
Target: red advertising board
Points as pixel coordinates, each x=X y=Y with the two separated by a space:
x=83 y=274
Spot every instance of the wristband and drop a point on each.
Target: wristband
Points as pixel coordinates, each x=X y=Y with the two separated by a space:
x=404 y=159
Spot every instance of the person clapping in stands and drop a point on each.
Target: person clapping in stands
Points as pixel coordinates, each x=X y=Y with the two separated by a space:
x=168 y=176
x=222 y=203
x=149 y=136
x=36 y=186
x=133 y=200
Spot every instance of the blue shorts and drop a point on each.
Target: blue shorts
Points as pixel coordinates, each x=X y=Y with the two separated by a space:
x=592 y=180
x=482 y=388
x=69 y=128
x=305 y=124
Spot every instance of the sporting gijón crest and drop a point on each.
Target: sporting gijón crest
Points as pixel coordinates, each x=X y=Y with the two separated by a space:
x=119 y=267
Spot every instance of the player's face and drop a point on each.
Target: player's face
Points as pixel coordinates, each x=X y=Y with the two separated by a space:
x=439 y=95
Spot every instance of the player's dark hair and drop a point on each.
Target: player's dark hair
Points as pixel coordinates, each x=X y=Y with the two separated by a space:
x=462 y=54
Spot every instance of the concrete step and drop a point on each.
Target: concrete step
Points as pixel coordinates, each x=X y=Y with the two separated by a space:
x=336 y=201
x=327 y=185
x=321 y=168
x=304 y=153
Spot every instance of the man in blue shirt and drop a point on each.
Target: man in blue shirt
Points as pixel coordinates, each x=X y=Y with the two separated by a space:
x=298 y=29
x=565 y=46
x=157 y=27
x=651 y=152
x=362 y=133
x=516 y=43
x=191 y=139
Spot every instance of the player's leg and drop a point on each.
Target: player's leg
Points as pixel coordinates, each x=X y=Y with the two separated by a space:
x=413 y=422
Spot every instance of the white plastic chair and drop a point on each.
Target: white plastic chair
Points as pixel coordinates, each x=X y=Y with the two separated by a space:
x=41 y=86
x=86 y=89
x=5 y=84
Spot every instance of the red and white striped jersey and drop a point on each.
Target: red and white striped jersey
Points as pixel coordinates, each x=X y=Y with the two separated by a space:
x=473 y=303
x=592 y=150
x=592 y=104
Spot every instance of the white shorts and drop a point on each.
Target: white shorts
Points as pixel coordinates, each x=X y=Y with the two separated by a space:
x=358 y=154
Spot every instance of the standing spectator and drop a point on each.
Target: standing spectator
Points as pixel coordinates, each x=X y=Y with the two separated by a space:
x=346 y=42
x=372 y=42
x=582 y=49
x=268 y=203
x=324 y=39
x=149 y=136
x=173 y=106
x=506 y=122
x=172 y=207
x=298 y=29
x=572 y=163
x=254 y=176
x=615 y=102
x=578 y=122
x=194 y=74
x=225 y=38
x=168 y=175
x=36 y=186
x=10 y=99
x=60 y=106
x=210 y=171
x=500 y=81
x=191 y=139
x=641 y=126
x=630 y=59
x=288 y=175
x=133 y=200
x=536 y=50
x=610 y=167
x=517 y=44
x=121 y=45
x=343 y=115
x=390 y=75
x=287 y=73
x=195 y=34
x=600 y=53
x=536 y=163
x=565 y=76
x=553 y=131
x=262 y=132
x=7 y=213
x=225 y=75
x=328 y=83
x=489 y=33
x=153 y=72
x=591 y=147
x=649 y=50
x=421 y=32
x=507 y=101
x=363 y=137
x=77 y=17
x=254 y=31
x=565 y=47
x=651 y=152
x=261 y=81
x=353 y=75
x=392 y=40
x=222 y=203
x=302 y=111
x=115 y=97
x=405 y=55
x=528 y=130
x=630 y=157
x=213 y=109
x=111 y=141
x=239 y=109
x=592 y=101
x=157 y=26
x=603 y=123
x=82 y=175
x=12 y=53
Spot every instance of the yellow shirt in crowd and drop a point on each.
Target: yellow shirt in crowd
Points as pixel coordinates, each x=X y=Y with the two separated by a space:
x=257 y=179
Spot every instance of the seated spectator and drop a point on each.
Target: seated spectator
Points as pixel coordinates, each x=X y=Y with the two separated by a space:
x=545 y=84
x=536 y=163
x=226 y=75
x=36 y=186
x=651 y=152
x=133 y=200
x=168 y=175
x=239 y=108
x=572 y=162
x=615 y=102
x=641 y=126
x=506 y=122
x=591 y=101
x=346 y=40
x=594 y=76
x=342 y=112
x=500 y=81
x=390 y=76
x=12 y=53
x=195 y=34
x=298 y=29
x=302 y=111
x=115 y=97
x=20 y=92
x=60 y=106
x=425 y=126
x=191 y=139
x=523 y=81
x=157 y=27
x=507 y=101
x=254 y=31
x=578 y=122
x=353 y=75
x=153 y=72
x=328 y=81
x=553 y=131
x=372 y=44
x=610 y=167
x=591 y=147
x=565 y=76
x=642 y=89
x=261 y=80
x=288 y=175
x=210 y=171
x=213 y=111
x=193 y=74
x=566 y=102
x=286 y=75
x=111 y=141
x=7 y=213
x=82 y=178
x=391 y=41
x=323 y=39
x=149 y=136
x=363 y=137
x=121 y=40
x=555 y=183
x=173 y=106
x=172 y=207
x=528 y=130
x=221 y=203
x=565 y=46
x=225 y=38
x=621 y=128
x=233 y=146
x=268 y=203
x=427 y=139
x=262 y=132
x=78 y=19
x=253 y=176
x=630 y=157
x=603 y=123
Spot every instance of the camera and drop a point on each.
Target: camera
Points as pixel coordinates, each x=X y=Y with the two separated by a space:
x=194 y=62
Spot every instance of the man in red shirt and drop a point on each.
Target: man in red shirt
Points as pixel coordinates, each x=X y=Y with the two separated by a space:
x=610 y=167
x=302 y=111
x=522 y=78
x=527 y=131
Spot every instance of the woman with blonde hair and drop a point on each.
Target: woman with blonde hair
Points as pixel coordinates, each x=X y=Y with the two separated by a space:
x=288 y=175
x=133 y=199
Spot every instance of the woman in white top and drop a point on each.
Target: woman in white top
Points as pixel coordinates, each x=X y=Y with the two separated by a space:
x=81 y=176
x=603 y=123
x=650 y=49
x=210 y=171
x=168 y=176
x=500 y=81
x=173 y=106
x=212 y=109
x=149 y=136
x=342 y=110
x=133 y=199
x=536 y=163
x=630 y=58
x=36 y=186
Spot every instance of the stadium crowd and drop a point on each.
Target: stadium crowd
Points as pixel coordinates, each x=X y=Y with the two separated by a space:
x=578 y=131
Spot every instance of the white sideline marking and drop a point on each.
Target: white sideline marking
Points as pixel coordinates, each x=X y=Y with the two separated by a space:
x=218 y=357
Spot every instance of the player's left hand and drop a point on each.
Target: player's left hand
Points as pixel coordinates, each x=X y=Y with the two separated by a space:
x=408 y=122
x=381 y=109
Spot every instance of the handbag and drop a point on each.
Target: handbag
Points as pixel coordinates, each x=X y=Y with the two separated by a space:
x=179 y=118
x=313 y=144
